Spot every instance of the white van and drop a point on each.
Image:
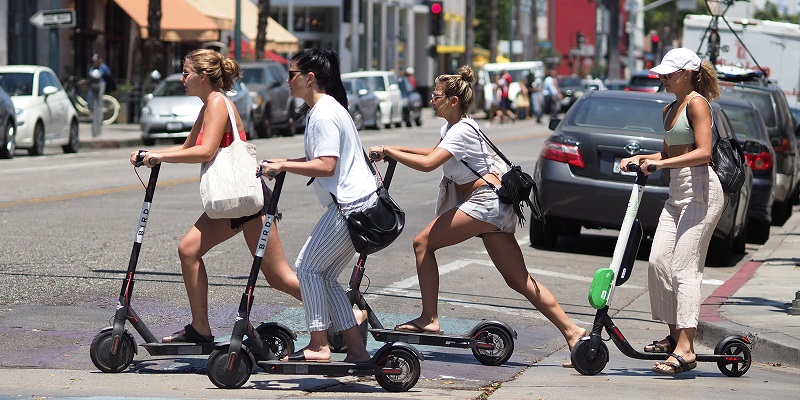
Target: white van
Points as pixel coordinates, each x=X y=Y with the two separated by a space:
x=384 y=85
x=517 y=69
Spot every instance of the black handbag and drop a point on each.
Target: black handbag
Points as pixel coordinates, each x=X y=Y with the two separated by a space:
x=517 y=187
x=376 y=227
x=727 y=160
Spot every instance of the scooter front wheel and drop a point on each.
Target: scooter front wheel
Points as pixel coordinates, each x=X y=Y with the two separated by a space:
x=401 y=370
x=100 y=351
x=217 y=365
x=734 y=346
x=580 y=358
x=500 y=339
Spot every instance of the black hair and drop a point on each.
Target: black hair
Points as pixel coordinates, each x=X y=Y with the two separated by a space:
x=325 y=66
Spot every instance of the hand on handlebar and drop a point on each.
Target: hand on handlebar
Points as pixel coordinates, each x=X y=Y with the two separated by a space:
x=377 y=153
x=268 y=168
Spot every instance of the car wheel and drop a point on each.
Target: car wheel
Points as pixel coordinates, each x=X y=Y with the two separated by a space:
x=544 y=232
x=149 y=142
x=720 y=251
x=410 y=119
x=781 y=212
x=9 y=140
x=358 y=119
x=265 y=127
x=74 y=141
x=291 y=127
x=758 y=231
x=418 y=121
x=249 y=127
x=38 y=140
x=378 y=117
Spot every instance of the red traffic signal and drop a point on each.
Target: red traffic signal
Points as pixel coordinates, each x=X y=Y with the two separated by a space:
x=436 y=7
x=655 y=38
x=435 y=14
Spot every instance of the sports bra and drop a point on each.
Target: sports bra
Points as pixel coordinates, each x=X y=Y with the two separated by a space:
x=227 y=137
x=681 y=132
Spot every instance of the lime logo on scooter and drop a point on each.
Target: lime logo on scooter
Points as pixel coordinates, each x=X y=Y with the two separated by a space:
x=142 y=222
x=601 y=287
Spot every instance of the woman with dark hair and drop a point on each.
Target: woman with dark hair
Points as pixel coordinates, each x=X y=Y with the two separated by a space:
x=344 y=184
x=467 y=166
x=691 y=212
x=207 y=75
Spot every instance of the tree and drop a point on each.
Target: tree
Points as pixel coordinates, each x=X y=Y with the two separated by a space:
x=152 y=47
x=534 y=38
x=261 y=35
x=614 y=66
x=469 y=34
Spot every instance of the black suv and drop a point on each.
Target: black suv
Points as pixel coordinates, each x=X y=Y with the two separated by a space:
x=771 y=102
x=274 y=107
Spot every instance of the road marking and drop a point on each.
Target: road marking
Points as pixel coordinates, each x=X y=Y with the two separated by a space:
x=90 y=193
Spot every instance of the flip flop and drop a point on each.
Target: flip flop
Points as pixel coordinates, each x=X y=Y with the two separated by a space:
x=412 y=327
x=657 y=347
x=189 y=335
x=675 y=368
x=300 y=355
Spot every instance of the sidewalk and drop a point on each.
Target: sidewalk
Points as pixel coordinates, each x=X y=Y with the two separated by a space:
x=111 y=136
x=752 y=303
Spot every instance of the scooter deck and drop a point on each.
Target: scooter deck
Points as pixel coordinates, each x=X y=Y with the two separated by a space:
x=428 y=339
x=333 y=368
x=179 y=349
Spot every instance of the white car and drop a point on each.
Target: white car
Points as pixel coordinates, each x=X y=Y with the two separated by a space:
x=384 y=85
x=45 y=114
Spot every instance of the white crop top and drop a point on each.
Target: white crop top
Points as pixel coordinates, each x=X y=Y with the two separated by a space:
x=464 y=143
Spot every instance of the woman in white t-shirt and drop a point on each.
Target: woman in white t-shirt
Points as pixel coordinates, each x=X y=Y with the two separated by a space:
x=479 y=211
x=334 y=157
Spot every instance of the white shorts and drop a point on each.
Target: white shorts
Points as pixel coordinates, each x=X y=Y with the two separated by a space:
x=484 y=205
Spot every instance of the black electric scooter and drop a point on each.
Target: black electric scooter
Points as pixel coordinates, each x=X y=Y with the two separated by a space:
x=396 y=366
x=491 y=342
x=114 y=347
x=590 y=355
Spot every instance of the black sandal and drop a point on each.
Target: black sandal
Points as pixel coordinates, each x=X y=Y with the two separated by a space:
x=675 y=368
x=657 y=347
x=189 y=335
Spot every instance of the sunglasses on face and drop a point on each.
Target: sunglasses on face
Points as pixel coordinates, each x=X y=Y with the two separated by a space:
x=666 y=77
x=435 y=96
x=293 y=73
x=186 y=74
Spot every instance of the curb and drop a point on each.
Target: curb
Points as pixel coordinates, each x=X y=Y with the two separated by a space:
x=110 y=143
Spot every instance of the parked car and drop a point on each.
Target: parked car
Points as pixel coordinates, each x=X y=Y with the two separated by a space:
x=412 y=103
x=44 y=113
x=581 y=184
x=274 y=107
x=363 y=105
x=384 y=85
x=748 y=126
x=168 y=113
x=644 y=81
x=771 y=102
x=571 y=90
x=8 y=126
x=796 y=115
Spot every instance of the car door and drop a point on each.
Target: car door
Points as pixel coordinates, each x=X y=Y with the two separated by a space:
x=55 y=128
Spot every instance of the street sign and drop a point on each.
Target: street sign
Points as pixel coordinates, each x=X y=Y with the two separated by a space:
x=46 y=19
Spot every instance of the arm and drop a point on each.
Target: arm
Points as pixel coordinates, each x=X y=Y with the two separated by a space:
x=420 y=162
x=318 y=167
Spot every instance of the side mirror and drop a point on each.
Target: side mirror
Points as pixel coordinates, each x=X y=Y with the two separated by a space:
x=553 y=124
x=48 y=90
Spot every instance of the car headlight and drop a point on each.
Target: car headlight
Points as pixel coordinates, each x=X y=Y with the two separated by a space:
x=145 y=111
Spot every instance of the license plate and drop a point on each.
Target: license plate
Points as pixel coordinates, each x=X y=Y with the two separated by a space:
x=175 y=126
x=617 y=170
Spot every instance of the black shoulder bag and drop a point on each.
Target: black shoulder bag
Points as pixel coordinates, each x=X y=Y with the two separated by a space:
x=378 y=226
x=727 y=160
x=517 y=188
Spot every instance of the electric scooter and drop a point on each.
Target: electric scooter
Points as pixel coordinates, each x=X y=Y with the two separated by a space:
x=491 y=342
x=114 y=347
x=590 y=355
x=396 y=366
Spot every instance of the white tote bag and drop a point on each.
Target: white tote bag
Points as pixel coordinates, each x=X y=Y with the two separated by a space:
x=229 y=187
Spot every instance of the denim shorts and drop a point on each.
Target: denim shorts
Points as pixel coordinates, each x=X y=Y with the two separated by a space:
x=484 y=205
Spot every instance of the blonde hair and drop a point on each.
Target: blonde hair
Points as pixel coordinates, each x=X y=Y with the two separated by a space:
x=459 y=85
x=221 y=70
x=704 y=81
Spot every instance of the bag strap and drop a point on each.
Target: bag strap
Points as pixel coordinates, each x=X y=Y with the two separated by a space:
x=230 y=116
x=378 y=180
x=492 y=145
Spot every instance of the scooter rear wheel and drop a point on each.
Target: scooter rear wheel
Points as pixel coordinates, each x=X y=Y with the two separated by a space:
x=277 y=340
x=735 y=346
x=503 y=345
x=100 y=352
x=216 y=368
x=580 y=358
x=403 y=360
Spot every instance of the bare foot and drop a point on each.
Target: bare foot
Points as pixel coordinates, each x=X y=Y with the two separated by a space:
x=581 y=332
x=419 y=325
x=308 y=355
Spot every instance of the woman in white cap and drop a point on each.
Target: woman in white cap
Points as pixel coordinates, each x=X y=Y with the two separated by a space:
x=692 y=210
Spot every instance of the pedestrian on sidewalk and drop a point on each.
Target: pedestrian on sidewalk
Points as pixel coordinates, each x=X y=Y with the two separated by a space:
x=208 y=75
x=691 y=212
x=480 y=213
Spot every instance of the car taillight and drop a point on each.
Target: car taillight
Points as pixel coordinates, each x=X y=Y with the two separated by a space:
x=759 y=161
x=783 y=147
x=566 y=153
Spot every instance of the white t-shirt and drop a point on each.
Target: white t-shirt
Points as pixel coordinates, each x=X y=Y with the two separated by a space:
x=464 y=143
x=331 y=132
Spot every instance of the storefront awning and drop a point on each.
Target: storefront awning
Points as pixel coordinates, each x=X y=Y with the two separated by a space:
x=223 y=12
x=180 y=20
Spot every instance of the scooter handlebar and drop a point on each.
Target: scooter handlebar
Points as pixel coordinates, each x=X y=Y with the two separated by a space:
x=633 y=167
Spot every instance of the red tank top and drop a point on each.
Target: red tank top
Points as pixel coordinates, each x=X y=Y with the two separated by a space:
x=227 y=138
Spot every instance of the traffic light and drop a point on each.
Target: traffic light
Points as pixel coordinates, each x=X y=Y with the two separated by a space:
x=580 y=40
x=435 y=16
x=655 y=40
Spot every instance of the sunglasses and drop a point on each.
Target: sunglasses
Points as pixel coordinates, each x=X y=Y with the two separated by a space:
x=666 y=77
x=186 y=74
x=435 y=96
x=293 y=73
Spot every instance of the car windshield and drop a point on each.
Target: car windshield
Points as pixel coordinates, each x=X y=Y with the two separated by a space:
x=743 y=121
x=374 y=83
x=618 y=114
x=169 y=88
x=569 y=82
x=760 y=99
x=253 y=76
x=17 y=83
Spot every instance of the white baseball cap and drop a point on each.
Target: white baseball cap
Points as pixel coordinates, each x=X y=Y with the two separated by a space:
x=677 y=59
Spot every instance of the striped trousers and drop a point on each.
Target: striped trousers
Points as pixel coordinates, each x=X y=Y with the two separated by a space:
x=678 y=254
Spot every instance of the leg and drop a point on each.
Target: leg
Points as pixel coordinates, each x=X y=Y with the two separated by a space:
x=204 y=235
x=507 y=258
x=450 y=228
x=274 y=266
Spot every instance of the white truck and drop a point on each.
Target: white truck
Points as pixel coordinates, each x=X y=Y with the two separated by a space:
x=774 y=45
